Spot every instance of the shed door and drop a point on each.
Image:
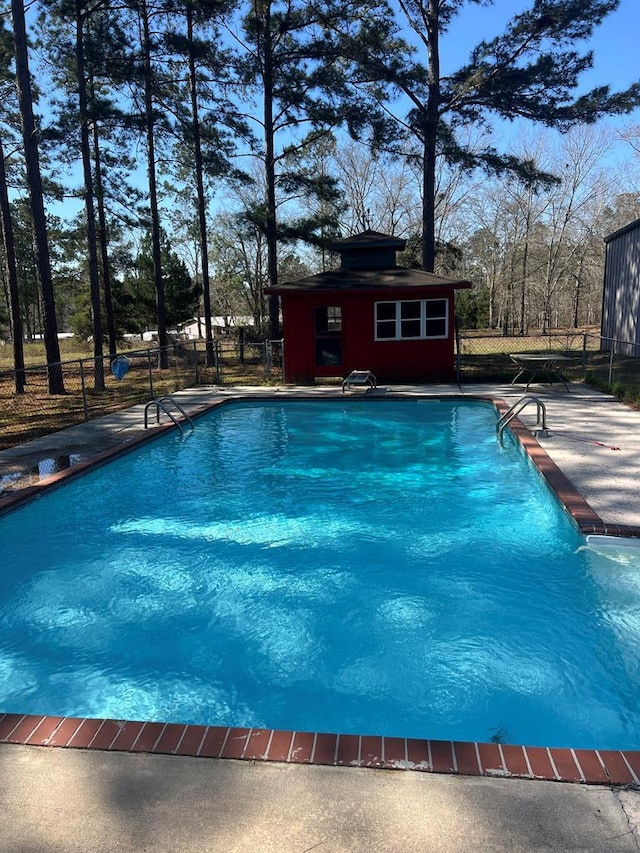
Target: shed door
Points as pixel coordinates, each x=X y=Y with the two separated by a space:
x=328 y=331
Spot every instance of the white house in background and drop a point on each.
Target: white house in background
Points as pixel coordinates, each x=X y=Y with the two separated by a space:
x=62 y=336
x=621 y=296
x=149 y=336
x=194 y=328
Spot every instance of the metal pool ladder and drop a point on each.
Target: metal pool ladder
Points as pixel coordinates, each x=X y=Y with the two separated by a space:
x=163 y=404
x=514 y=411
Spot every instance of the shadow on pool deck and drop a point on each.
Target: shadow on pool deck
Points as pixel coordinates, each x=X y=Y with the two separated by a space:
x=77 y=800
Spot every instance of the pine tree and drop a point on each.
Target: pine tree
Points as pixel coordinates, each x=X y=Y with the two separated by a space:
x=8 y=242
x=148 y=81
x=36 y=197
x=203 y=118
x=532 y=70
x=82 y=10
x=293 y=68
x=8 y=245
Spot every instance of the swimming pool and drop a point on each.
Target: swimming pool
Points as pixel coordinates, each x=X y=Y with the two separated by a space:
x=321 y=566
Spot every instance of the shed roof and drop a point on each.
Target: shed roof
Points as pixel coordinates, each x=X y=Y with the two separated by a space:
x=625 y=228
x=371 y=280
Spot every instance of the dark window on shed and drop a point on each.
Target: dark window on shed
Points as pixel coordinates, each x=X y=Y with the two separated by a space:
x=328 y=330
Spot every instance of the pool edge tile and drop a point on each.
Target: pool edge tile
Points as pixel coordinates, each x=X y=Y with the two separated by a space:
x=106 y=734
x=148 y=737
x=442 y=756
x=25 y=726
x=44 y=731
x=281 y=745
x=8 y=723
x=348 y=751
x=591 y=766
x=235 y=743
x=491 y=761
x=302 y=748
x=257 y=745
x=581 y=766
x=419 y=754
x=566 y=765
x=394 y=751
x=65 y=731
x=617 y=767
x=127 y=735
x=325 y=749
x=371 y=751
x=214 y=741
x=467 y=761
x=170 y=738
x=191 y=741
x=85 y=734
x=632 y=759
x=514 y=759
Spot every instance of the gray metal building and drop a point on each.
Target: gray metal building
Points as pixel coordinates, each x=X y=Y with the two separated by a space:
x=621 y=296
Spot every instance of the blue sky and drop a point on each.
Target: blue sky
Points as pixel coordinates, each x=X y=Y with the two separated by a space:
x=614 y=42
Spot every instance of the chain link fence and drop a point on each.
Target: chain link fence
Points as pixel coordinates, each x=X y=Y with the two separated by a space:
x=92 y=387
x=487 y=357
x=96 y=387
x=607 y=363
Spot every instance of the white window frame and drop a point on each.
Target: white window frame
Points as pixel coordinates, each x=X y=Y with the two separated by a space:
x=423 y=336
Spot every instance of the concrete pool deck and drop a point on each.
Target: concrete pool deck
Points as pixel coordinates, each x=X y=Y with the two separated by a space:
x=74 y=799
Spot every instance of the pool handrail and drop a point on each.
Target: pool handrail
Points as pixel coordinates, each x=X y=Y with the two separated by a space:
x=514 y=410
x=160 y=404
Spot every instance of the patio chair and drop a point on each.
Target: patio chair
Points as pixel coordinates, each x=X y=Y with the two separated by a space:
x=359 y=379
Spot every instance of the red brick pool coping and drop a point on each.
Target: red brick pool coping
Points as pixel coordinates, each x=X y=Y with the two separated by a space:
x=587 y=766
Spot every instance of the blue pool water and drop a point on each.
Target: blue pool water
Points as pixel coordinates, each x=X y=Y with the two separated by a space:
x=368 y=567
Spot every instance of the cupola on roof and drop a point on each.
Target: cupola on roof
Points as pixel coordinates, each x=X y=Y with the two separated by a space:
x=369 y=250
x=369 y=263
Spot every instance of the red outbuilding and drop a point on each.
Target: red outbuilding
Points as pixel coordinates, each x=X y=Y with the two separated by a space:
x=369 y=315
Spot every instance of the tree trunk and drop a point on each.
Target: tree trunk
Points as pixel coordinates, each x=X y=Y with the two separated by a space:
x=201 y=199
x=104 y=246
x=270 y=173
x=85 y=147
x=156 y=250
x=523 y=289
x=12 y=274
x=36 y=199
x=430 y=122
x=577 y=294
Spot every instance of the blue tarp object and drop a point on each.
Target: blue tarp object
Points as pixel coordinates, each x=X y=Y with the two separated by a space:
x=120 y=366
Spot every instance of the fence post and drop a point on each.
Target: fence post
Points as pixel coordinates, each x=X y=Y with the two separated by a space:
x=241 y=344
x=267 y=359
x=195 y=361
x=613 y=348
x=216 y=360
x=584 y=352
x=150 y=373
x=84 y=392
